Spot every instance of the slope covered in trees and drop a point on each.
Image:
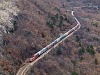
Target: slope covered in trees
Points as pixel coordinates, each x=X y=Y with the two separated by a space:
x=38 y=23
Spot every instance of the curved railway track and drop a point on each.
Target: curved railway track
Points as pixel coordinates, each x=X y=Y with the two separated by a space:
x=23 y=70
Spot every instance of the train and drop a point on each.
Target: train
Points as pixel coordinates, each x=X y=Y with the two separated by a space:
x=38 y=54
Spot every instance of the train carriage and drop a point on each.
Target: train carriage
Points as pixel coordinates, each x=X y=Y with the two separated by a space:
x=56 y=41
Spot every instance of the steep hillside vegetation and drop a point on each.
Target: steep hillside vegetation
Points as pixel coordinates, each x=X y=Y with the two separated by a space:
x=38 y=23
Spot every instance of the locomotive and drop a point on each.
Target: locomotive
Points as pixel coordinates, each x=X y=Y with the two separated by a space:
x=34 y=57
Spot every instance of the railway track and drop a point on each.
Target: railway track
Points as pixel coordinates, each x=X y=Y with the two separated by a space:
x=23 y=70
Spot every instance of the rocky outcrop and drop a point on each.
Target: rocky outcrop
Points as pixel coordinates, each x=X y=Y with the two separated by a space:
x=7 y=11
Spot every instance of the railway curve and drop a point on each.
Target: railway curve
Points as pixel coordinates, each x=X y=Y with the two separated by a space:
x=24 y=69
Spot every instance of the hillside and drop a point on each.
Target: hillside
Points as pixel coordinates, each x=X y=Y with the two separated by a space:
x=33 y=24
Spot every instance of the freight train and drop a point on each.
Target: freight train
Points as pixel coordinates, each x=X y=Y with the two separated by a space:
x=38 y=54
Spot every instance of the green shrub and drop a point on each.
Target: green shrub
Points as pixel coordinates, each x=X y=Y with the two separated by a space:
x=49 y=15
x=53 y=18
x=74 y=73
x=81 y=51
x=15 y=25
x=50 y=25
x=90 y=50
x=69 y=0
x=73 y=62
x=60 y=24
x=57 y=9
x=61 y=18
x=14 y=22
x=67 y=19
x=94 y=24
x=95 y=39
x=6 y=42
x=88 y=29
x=80 y=44
x=57 y=15
x=96 y=61
x=81 y=58
x=59 y=52
x=77 y=38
